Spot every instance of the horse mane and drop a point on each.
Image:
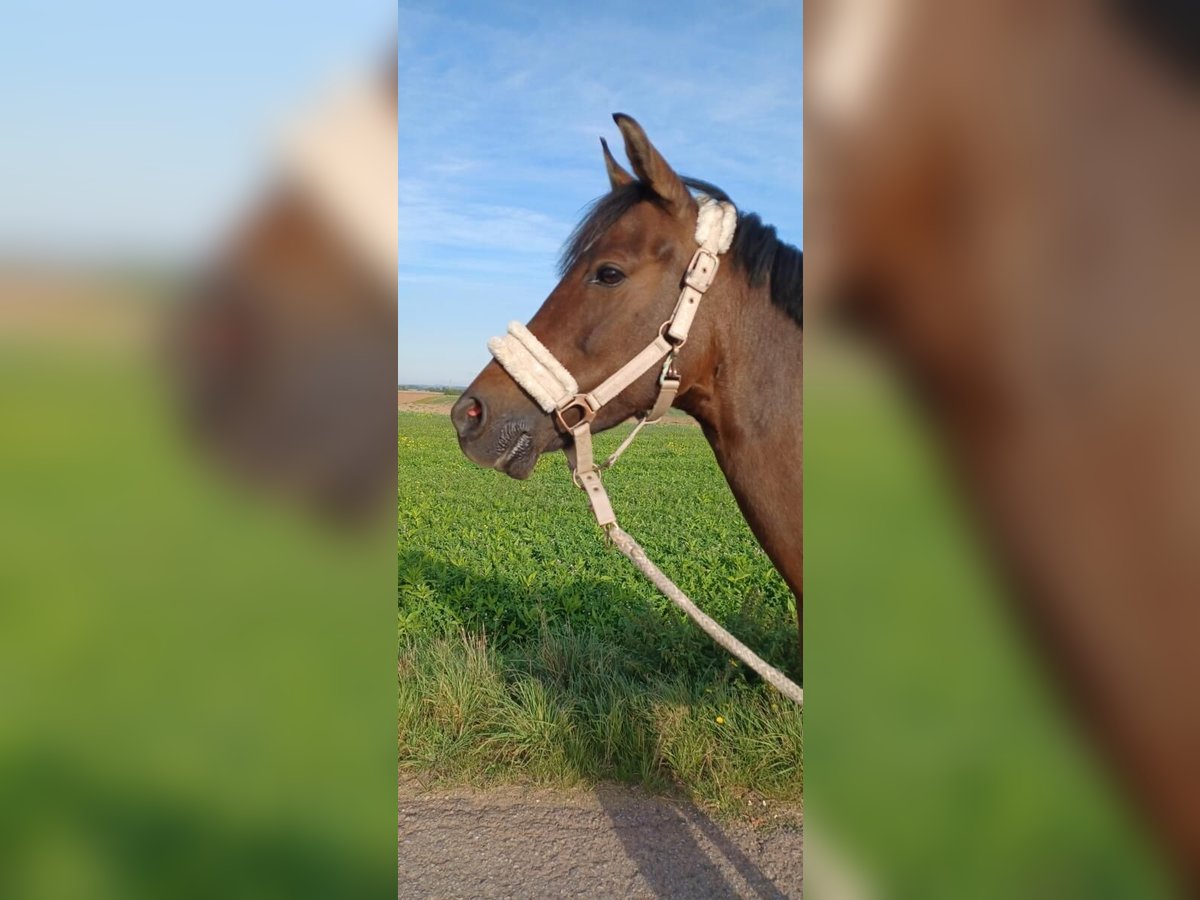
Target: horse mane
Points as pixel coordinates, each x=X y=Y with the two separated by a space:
x=756 y=249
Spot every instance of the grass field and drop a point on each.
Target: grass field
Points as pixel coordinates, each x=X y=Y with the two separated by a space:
x=196 y=693
x=530 y=650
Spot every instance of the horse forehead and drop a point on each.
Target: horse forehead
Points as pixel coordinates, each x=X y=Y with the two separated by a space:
x=644 y=230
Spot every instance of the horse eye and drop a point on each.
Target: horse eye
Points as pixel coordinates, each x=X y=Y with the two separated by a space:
x=609 y=275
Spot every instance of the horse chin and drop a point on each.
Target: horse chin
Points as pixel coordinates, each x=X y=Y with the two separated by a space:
x=519 y=455
x=518 y=465
x=522 y=455
x=522 y=470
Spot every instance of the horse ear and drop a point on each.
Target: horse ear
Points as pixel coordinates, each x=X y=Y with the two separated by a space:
x=617 y=176
x=651 y=168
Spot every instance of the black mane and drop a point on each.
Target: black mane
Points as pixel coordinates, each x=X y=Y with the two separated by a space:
x=756 y=249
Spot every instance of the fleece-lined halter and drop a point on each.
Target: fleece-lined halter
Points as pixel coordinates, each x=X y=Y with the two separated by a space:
x=555 y=390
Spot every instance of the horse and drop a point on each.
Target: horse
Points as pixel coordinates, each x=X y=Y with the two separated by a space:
x=1002 y=196
x=283 y=349
x=739 y=370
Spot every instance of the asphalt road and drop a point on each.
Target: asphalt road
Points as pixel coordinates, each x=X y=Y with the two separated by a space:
x=608 y=842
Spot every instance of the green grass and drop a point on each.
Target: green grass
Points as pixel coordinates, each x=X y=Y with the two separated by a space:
x=531 y=650
x=195 y=686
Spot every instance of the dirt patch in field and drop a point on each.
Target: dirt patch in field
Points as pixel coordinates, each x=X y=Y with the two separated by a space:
x=57 y=308
x=611 y=841
x=425 y=401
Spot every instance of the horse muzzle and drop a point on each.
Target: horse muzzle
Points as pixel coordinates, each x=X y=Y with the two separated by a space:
x=506 y=441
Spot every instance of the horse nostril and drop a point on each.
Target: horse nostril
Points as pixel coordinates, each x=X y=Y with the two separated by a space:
x=467 y=415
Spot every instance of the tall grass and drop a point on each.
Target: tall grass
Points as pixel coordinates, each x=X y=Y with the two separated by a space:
x=571 y=709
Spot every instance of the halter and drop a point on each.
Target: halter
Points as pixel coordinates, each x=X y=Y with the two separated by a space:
x=554 y=389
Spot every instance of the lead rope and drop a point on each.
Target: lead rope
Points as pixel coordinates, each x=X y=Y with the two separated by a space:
x=547 y=381
x=671 y=591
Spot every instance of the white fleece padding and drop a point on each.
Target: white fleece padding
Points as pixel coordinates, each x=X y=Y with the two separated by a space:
x=715 y=224
x=533 y=367
x=852 y=59
x=342 y=157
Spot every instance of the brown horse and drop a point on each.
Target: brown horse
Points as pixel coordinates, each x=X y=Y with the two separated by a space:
x=1004 y=194
x=739 y=369
x=284 y=349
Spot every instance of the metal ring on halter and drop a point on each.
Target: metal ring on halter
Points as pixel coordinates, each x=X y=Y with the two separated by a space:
x=587 y=412
x=662 y=333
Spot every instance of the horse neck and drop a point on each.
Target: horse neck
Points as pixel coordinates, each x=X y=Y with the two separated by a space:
x=1062 y=376
x=745 y=390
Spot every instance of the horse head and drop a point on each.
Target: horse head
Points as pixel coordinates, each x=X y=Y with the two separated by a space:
x=620 y=281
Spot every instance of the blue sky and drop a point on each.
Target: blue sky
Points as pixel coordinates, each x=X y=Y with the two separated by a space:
x=138 y=128
x=501 y=108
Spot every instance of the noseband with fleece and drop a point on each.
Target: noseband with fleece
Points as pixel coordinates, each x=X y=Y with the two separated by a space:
x=533 y=367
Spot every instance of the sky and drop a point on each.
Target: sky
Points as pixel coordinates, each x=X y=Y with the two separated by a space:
x=501 y=109
x=137 y=129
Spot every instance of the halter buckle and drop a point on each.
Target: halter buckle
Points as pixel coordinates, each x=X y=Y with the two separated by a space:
x=587 y=412
x=701 y=270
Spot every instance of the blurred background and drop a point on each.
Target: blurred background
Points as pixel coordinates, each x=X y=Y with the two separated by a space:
x=1001 y=492
x=197 y=341
x=940 y=760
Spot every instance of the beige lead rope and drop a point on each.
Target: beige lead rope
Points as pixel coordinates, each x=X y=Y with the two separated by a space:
x=668 y=588
x=547 y=381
